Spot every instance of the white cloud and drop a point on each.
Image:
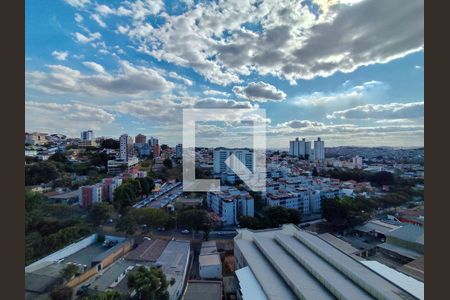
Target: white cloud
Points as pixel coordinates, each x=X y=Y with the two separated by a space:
x=99 y=20
x=94 y=66
x=60 y=55
x=296 y=124
x=78 y=18
x=68 y=118
x=222 y=103
x=289 y=41
x=394 y=121
x=104 y=10
x=418 y=67
x=129 y=80
x=77 y=3
x=185 y=80
x=215 y=93
x=348 y=134
x=259 y=91
x=138 y=10
x=81 y=38
x=350 y=95
x=168 y=109
x=382 y=111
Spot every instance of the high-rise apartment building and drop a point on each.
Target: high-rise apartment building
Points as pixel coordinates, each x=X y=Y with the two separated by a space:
x=179 y=151
x=87 y=135
x=156 y=150
x=245 y=156
x=126 y=147
x=357 y=162
x=300 y=148
x=319 y=149
x=153 y=141
x=140 y=139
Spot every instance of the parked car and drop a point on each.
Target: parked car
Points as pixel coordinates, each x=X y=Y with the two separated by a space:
x=184 y=231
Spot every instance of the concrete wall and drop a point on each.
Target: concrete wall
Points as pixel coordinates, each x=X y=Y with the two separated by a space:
x=83 y=277
x=117 y=253
x=124 y=248
x=69 y=250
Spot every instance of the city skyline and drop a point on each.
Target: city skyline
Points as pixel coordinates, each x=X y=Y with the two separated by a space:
x=131 y=67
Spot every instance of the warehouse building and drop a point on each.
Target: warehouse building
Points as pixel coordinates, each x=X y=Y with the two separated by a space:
x=290 y=263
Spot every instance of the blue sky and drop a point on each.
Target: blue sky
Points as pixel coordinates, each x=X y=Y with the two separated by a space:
x=351 y=72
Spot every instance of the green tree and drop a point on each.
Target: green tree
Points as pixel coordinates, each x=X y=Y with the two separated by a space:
x=145 y=186
x=30 y=159
x=41 y=172
x=346 y=212
x=168 y=163
x=99 y=213
x=33 y=201
x=136 y=187
x=127 y=224
x=164 y=147
x=152 y=217
x=149 y=283
x=64 y=181
x=250 y=222
x=121 y=199
x=315 y=172
x=99 y=159
x=59 y=157
x=63 y=237
x=69 y=272
x=383 y=178
x=63 y=293
x=150 y=182
x=194 y=219
x=275 y=216
x=259 y=202
x=110 y=144
x=106 y=295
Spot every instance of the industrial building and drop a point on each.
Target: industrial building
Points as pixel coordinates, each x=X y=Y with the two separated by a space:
x=290 y=263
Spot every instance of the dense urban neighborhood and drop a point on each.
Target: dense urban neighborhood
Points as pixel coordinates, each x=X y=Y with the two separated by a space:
x=107 y=218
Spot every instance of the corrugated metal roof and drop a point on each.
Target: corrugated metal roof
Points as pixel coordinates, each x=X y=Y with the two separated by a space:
x=408 y=283
x=410 y=233
x=250 y=288
x=290 y=263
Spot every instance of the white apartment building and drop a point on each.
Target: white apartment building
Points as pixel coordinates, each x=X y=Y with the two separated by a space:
x=357 y=162
x=302 y=193
x=319 y=149
x=179 y=151
x=126 y=147
x=282 y=198
x=300 y=148
x=36 y=138
x=87 y=135
x=118 y=166
x=230 y=204
x=245 y=156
